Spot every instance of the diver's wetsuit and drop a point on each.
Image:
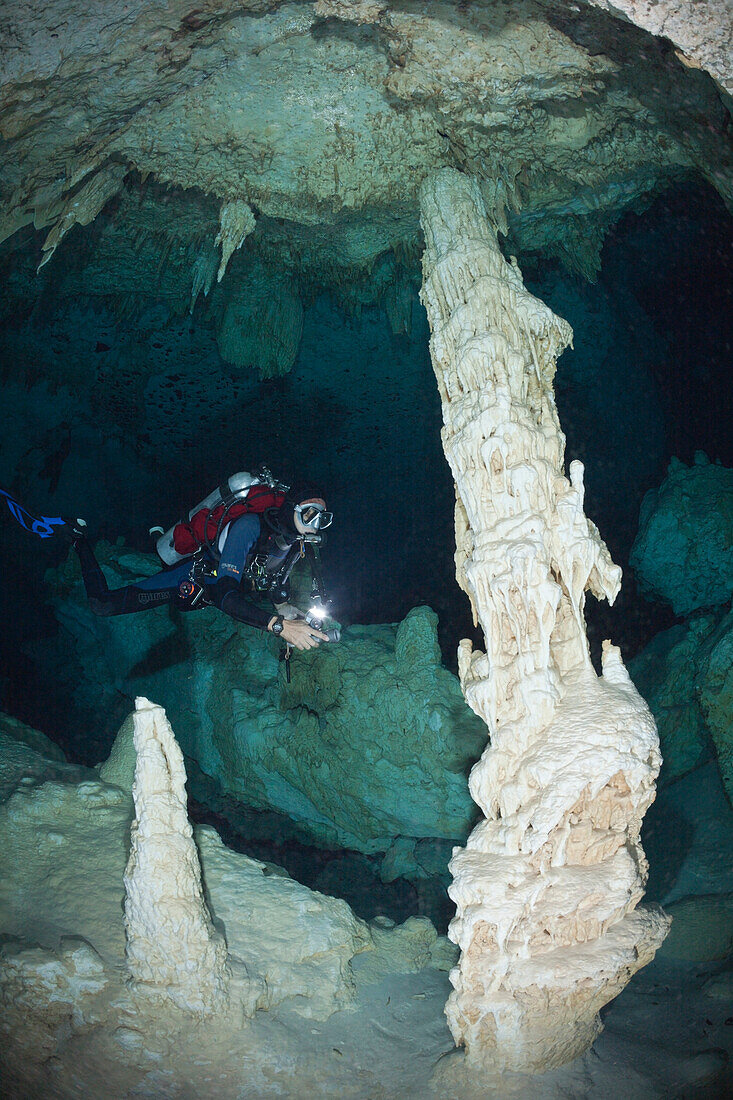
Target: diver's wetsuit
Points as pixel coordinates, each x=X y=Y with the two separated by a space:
x=227 y=589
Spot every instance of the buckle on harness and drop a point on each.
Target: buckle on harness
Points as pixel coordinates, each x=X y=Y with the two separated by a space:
x=193 y=590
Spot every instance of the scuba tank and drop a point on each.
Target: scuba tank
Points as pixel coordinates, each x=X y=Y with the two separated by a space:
x=209 y=517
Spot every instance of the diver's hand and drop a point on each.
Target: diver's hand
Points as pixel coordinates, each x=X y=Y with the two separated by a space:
x=297 y=633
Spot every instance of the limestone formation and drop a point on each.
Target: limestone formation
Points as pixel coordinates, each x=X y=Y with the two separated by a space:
x=25 y=754
x=71 y=1020
x=348 y=750
x=715 y=692
x=79 y=208
x=236 y=222
x=703 y=33
x=173 y=950
x=666 y=673
x=547 y=887
x=329 y=115
x=204 y=272
x=287 y=943
x=702 y=929
x=260 y=322
x=683 y=553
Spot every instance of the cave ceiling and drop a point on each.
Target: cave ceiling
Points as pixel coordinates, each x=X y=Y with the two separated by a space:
x=310 y=127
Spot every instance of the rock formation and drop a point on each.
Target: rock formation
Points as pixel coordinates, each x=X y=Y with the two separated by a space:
x=347 y=750
x=715 y=691
x=547 y=887
x=683 y=551
x=260 y=322
x=236 y=221
x=704 y=37
x=571 y=112
x=70 y=1018
x=173 y=950
x=667 y=673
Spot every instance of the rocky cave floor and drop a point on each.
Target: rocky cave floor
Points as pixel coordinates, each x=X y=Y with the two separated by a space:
x=669 y=1034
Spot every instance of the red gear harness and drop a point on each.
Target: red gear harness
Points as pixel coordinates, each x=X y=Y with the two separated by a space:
x=203 y=528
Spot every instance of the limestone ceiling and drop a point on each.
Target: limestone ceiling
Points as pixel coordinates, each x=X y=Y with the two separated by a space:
x=322 y=119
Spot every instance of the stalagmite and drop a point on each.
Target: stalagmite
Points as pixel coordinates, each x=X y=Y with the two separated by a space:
x=173 y=951
x=547 y=887
x=236 y=222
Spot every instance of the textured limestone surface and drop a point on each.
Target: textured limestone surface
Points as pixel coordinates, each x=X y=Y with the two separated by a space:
x=548 y=885
x=683 y=553
x=70 y=1018
x=85 y=828
x=261 y=323
x=702 y=929
x=666 y=673
x=33 y=739
x=371 y=740
x=698 y=813
x=172 y=949
x=25 y=755
x=703 y=32
x=686 y=674
x=306 y=1014
x=715 y=690
x=317 y=122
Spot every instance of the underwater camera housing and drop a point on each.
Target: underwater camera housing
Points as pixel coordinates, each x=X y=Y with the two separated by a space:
x=315 y=616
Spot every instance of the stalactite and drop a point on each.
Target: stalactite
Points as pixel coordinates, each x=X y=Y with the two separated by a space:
x=398 y=298
x=236 y=222
x=80 y=208
x=547 y=885
x=260 y=322
x=204 y=272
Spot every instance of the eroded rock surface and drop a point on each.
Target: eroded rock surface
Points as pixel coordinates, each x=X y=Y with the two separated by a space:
x=666 y=673
x=371 y=739
x=69 y=1014
x=703 y=32
x=683 y=552
x=715 y=691
x=329 y=115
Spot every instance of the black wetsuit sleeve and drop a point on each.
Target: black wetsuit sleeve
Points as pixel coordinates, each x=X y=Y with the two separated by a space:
x=228 y=596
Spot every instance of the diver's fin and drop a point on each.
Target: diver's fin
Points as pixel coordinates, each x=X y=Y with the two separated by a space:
x=43 y=526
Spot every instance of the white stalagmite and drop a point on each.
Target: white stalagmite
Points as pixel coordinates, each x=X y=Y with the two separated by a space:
x=547 y=887
x=173 y=950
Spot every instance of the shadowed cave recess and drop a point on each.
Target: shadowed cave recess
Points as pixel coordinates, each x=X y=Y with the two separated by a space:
x=245 y=290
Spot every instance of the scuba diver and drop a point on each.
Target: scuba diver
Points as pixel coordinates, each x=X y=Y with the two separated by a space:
x=239 y=544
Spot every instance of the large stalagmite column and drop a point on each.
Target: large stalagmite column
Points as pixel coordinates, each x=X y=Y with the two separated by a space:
x=547 y=887
x=173 y=951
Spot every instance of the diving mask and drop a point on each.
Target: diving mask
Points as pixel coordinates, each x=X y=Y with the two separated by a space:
x=313 y=517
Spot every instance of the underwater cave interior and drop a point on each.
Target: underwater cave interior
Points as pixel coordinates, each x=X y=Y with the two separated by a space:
x=259 y=234
x=121 y=410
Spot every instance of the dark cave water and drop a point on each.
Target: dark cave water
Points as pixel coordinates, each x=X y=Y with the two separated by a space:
x=144 y=419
